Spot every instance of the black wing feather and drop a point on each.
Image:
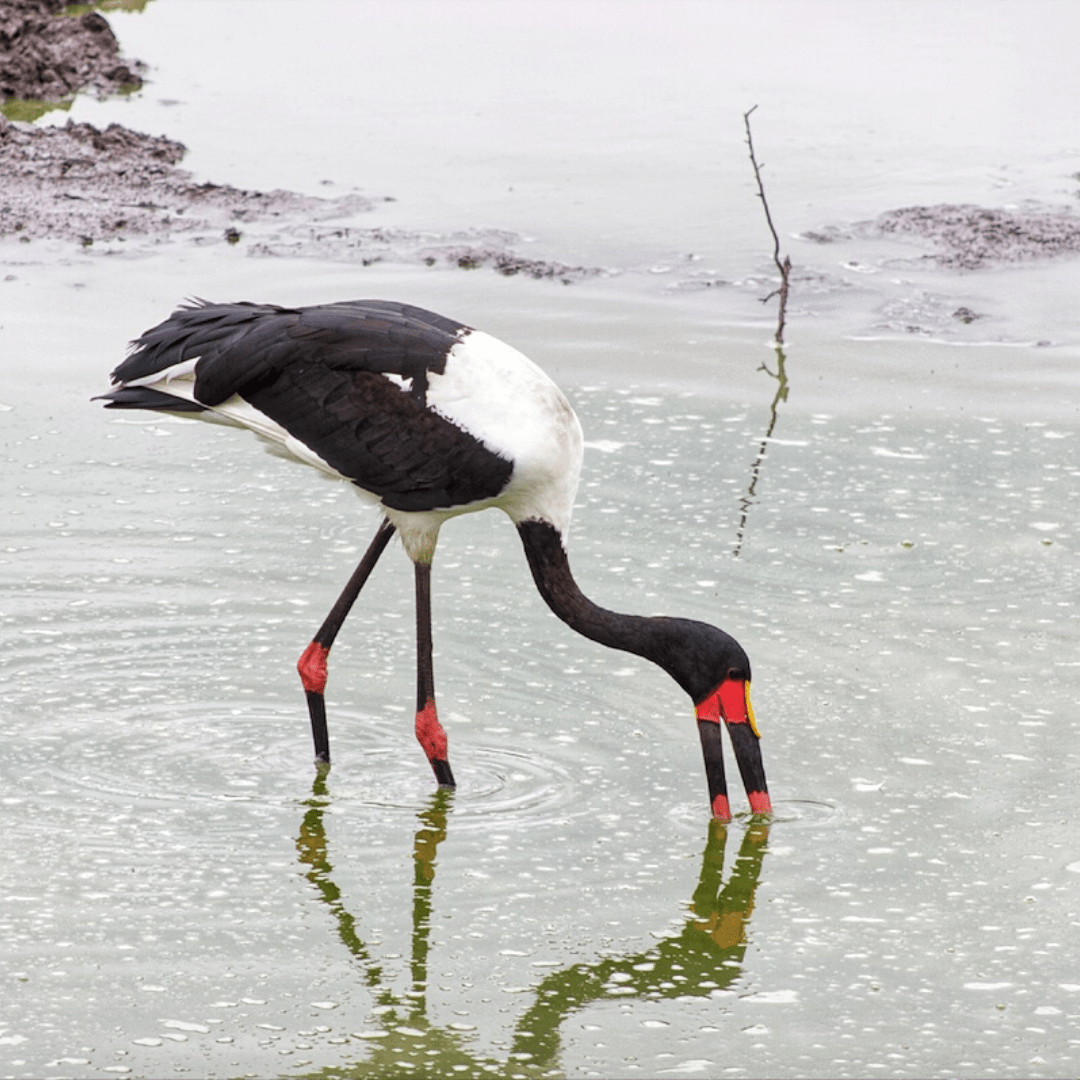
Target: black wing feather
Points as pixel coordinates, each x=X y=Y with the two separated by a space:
x=145 y=397
x=320 y=372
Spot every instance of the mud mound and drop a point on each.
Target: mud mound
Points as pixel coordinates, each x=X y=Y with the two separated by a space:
x=79 y=183
x=49 y=57
x=971 y=237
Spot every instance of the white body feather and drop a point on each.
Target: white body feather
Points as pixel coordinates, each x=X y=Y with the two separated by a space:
x=487 y=388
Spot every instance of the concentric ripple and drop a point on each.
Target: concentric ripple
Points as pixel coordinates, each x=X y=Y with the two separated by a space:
x=260 y=753
x=808 y=813
x=193 y=751
x=494 y=783
x=787 y=813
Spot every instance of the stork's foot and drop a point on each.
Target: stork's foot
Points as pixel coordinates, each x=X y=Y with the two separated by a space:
x=443 y=774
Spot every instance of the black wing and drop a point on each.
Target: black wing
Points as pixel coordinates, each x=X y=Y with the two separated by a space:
x=321 y=373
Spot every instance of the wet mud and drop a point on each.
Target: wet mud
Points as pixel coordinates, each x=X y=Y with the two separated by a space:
x=84 y=185
x=46 y=55
x=88 y=186
x=472 y=249
x=969 y=237
x=81 y=184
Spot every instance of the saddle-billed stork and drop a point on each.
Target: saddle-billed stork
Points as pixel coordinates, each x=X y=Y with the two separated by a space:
x=430 y=418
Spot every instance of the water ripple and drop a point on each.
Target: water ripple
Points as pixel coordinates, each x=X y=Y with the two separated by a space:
x=787 y=813
x=494 y=784
x=259 y=752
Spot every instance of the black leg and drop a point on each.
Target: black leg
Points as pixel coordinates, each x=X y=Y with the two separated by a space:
x=429 y=731
x=312 y=665
x=711 y=747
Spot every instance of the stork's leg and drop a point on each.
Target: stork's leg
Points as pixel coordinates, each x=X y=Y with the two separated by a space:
x=711 y=746
x=312 y=665
x=428 y=729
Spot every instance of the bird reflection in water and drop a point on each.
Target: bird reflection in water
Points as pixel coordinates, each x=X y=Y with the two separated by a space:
x=705 y=957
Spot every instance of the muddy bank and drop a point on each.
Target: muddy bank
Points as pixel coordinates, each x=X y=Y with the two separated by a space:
x=47 y=56
x=87 y=186
x=84 y=185
x=969 y=237
x=79 y=184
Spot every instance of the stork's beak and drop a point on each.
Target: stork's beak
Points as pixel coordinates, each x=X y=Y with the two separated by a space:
x=730 y=702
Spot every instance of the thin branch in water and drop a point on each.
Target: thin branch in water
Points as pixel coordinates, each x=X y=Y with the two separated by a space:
x=784 y=264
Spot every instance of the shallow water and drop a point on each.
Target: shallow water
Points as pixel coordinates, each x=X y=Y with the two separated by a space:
x=888 y=529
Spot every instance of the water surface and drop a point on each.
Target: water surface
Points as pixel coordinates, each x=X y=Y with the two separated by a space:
x=885 y=523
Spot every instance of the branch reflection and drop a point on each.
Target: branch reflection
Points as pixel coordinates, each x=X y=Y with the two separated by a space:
x=706 y=956
x=780 y=375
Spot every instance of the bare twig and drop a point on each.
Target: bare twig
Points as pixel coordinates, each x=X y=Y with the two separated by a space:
x=784 y=264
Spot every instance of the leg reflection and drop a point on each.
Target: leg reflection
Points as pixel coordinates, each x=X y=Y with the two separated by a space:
x=706 y=955
x=311 y=846
x=399 y=1030
x=431 y=833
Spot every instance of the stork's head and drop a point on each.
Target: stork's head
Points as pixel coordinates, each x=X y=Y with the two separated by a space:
x=712 y=667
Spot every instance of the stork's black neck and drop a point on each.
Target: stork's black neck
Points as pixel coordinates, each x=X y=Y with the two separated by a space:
x=696 y=655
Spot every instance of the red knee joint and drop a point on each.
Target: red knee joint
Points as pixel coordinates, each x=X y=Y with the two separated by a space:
x=312 y=667
x=430 y=734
